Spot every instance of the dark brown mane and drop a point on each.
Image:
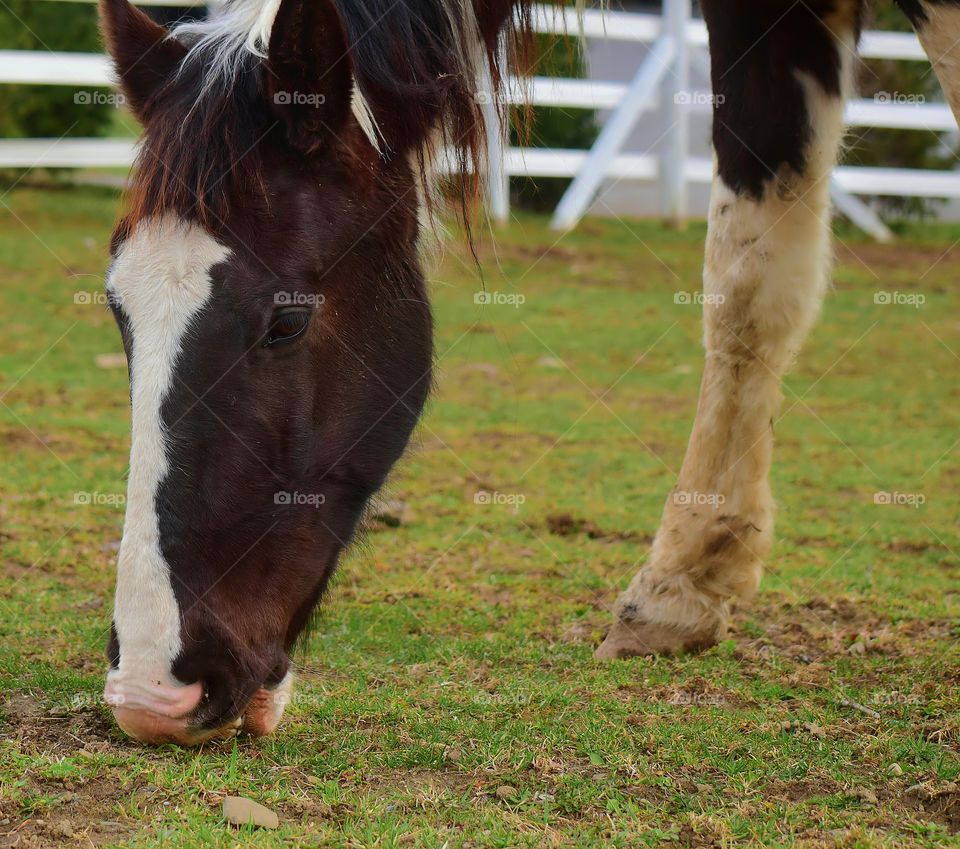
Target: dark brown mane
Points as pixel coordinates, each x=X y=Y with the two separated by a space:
x=415 y=63
x=200 y=146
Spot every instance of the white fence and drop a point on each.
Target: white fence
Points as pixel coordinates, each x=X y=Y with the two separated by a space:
x=675 y=39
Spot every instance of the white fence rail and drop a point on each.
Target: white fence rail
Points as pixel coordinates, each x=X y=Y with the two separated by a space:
x=676 y=40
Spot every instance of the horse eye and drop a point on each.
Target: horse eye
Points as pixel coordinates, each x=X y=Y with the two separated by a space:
x=286 y=325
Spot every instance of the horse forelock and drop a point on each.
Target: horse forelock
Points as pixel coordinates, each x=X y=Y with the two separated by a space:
x=418 y=71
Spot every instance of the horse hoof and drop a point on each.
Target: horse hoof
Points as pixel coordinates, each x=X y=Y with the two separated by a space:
x=633 y=638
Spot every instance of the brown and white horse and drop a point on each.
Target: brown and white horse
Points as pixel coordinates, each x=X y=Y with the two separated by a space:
x=267 y=284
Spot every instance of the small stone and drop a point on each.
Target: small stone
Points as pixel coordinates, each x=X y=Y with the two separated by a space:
x=238 y=810
x=550 y=362
x=60 y=828
x=895 y=769
x=505 y=791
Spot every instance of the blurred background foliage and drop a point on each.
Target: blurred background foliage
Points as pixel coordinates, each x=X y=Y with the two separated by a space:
x=46 y=111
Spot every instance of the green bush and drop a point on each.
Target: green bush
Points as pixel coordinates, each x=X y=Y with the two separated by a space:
x=44 y=110
x=552 y=126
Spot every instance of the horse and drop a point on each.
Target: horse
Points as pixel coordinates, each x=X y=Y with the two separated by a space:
x=267 y=282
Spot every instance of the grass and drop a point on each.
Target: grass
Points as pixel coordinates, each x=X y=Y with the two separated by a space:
x=448 y=697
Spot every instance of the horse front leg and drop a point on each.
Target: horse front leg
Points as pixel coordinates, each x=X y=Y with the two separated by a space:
x=781 y=73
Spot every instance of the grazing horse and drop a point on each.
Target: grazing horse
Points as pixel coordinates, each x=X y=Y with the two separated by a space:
x=267 y=285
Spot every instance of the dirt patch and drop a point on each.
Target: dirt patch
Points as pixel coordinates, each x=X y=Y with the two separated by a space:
x=66 y=727
x=76 y=810
x=20 y=438
x=528 y=253
x=85 y=812
x=817 y=787
x=942 y=805
x=567 y=525
x=690 y=839
x=913 y=547
x=697 y=692
x=902 y=256
x=815 y=542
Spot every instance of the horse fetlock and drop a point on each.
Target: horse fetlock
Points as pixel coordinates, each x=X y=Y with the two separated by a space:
x=721 y=552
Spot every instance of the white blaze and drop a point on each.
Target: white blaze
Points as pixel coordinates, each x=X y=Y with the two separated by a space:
x=161 y=277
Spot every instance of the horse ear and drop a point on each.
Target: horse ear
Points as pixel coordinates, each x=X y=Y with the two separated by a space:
x=309 y=72
x=143 y=54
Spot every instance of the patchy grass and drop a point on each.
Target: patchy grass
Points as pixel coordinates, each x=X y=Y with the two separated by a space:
x=449 y=696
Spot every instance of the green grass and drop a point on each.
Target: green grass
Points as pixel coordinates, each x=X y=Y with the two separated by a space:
x=454 y=656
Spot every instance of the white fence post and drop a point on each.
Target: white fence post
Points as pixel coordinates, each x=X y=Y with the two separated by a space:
x=496 y=118
x=859 y=213
x=580 y=192
x=677 y=95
